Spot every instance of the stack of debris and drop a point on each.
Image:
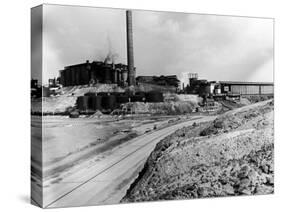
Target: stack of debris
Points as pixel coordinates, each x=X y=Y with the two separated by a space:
x=232 y=155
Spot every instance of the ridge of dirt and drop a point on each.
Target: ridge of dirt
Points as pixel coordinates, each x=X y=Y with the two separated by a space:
x=230 y=156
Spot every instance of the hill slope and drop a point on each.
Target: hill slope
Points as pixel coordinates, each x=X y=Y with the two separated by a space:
x=232 y=155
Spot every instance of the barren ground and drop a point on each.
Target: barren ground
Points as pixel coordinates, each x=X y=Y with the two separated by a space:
x=232 y=155
x=75 y=150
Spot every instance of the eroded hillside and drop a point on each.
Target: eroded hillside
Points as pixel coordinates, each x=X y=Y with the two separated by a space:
x=233 y=155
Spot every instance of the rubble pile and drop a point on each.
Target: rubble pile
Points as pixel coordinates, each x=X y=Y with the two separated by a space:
x=249 y=116
x=235 y=159
x=258 y=98
x=167 y=108
x=98 y=88
x=183 y=98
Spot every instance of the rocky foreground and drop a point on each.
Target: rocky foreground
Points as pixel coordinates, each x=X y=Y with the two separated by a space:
x=230 y=156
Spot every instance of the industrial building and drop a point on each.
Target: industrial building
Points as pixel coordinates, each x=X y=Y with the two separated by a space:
x=224 y=88
x=94 y=72
x=110 y=73
x=168 y=80
x=104 y=72
x=247 y=88
x=152 y=87
x=107 y=102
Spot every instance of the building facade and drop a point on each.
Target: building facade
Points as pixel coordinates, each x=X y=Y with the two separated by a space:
x=95 y=72
x=247 y=88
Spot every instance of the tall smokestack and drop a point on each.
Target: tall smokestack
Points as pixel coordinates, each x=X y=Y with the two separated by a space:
x=130 y=48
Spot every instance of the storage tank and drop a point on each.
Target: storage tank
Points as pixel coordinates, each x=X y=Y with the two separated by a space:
x=154 y=97
x=95 y=102
x=83 y=103
x=108 y=102
x=124 y=76
x=123 y=99
x=103 y=93
x=138 y=98
x=62 y=77
x=72 y=73
x=90 y=94
x=67 y=77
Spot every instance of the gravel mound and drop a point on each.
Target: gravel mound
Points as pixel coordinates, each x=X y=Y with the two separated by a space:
x=167 y=108
x=230 y=156
x=252 y=115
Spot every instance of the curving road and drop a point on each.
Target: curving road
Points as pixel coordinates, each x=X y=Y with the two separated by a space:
x=106 y=181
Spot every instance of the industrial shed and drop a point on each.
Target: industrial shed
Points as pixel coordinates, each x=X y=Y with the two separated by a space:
x=247 y=88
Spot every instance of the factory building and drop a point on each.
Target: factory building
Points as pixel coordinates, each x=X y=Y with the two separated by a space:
x=95 y=72
x=107 y=102
x=207 y=88
x=247 y=88
x=168 y=80
x=104 y=72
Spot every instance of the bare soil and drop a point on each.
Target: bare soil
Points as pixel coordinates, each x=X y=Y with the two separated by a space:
x=230 y=156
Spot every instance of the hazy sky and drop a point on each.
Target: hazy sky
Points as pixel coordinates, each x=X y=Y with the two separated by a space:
x=215 y=47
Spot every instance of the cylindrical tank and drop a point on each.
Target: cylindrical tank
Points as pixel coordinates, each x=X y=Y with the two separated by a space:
x=84 y=76
x=72 y=71
x=90 y=94
x=108 y=102
x=118 y=74
x=77 y=77
x=142 y=93
x=62 y=77
x=122 y=99
x=115 y=75
x=124 y=76
x=103 y=94
x=83 y=103
x=138 y=98
x=107 y=75
x=95 y=102
x=67 y=77
x=154 y=97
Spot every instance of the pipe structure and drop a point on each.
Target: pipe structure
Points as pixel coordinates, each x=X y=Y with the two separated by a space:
x=130 y=48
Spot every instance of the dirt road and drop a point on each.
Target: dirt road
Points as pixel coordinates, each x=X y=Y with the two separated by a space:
x=106 y=180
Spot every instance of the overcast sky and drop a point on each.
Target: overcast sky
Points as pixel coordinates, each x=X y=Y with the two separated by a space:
x=215 y=47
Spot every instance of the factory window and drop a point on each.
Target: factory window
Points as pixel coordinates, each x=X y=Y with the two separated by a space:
x=226 y=88
x=267 y=89
x=245 y=89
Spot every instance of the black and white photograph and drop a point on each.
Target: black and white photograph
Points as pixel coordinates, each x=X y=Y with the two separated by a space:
x=132 y=105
